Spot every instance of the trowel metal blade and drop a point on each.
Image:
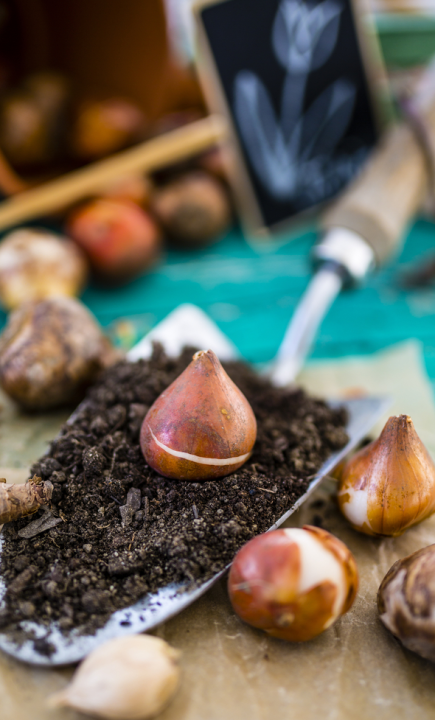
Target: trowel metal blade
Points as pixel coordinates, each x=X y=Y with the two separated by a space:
x=155 y=608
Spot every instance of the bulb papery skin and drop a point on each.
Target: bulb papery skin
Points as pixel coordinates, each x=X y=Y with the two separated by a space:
x=293 y=583
x=37 y=264
x=201 y=427
x=406 y=601
x=128 y=678
x=389 y=485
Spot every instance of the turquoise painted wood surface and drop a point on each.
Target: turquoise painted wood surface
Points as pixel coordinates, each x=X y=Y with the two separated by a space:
x=251 y=293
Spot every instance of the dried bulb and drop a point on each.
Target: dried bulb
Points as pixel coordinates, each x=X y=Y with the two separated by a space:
x=193 y=209
x=105 y=126
x=120 y=239
x=32 y=119
x=51 y=92
x=20 y=499
x=35 y=264
x=49 y=351
x=129 y=678
x=389 y=485
x=406 y=601
x=293 y=583
x=23 y=130
x=201 y=427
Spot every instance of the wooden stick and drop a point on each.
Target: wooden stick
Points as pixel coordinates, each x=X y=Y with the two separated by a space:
x=149 y=156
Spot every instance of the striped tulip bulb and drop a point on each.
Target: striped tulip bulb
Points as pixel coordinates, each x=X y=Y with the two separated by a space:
x=293 y=583
x=201 y=427
x=389 y=485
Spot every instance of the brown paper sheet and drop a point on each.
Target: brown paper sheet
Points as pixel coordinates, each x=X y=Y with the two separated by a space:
x=354 y=670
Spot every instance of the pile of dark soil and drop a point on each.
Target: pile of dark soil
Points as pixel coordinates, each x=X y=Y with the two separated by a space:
x=122 y=529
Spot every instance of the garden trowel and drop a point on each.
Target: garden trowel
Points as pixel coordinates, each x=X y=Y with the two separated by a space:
x=367 y=223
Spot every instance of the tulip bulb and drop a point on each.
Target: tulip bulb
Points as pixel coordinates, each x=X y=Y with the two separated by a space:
x=201 y=427
x=193 y=209
x=50 y=351
x=37 y=264
x=129 y=678
x=105 y=126
x=120 y=239
x=389 y=485
x=293 y=583
x=406 y=601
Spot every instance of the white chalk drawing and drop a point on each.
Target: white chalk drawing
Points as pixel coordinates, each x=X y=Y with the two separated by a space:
x=292 y=155
x=304 y=37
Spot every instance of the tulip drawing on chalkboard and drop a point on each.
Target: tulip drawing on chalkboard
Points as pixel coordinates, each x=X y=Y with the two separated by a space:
x=291 y=155
x=304 y=37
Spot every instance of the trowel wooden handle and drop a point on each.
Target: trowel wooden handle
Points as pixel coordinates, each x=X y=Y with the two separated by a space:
x=379 y=204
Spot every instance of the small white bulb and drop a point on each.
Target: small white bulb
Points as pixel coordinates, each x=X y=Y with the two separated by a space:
x=129 y=678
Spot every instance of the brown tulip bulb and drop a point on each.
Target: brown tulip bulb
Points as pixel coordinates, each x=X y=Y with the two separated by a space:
x=23 y=130
x=50 y=90
x=293 y=583
x=193 y=209
x=201 y=427
x=50 y=351
x=32 y=119
x=120 y=239
x=105 y=126
x=406 y=601
x=389 y=485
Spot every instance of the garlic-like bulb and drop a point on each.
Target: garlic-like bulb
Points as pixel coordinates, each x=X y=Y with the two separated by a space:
x=406 y=601
x=293 y=583
x=36 y=264
x=389 y=485
x=50 y=351
x=201 y=427
x=129 y=678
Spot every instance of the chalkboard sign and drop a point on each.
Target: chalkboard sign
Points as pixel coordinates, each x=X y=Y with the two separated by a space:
x=291 y=78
